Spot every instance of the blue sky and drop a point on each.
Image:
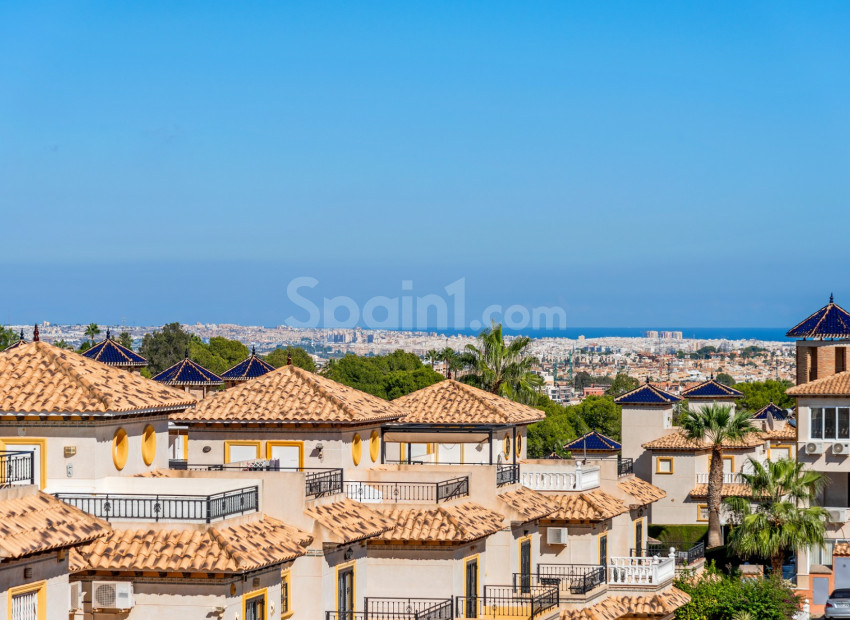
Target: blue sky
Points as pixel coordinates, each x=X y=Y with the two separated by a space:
x=634 y=163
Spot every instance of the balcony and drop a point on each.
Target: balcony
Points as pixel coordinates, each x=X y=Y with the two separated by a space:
x=379 y=608
x=150 y=507
x=625 y=467
x=641 y=571
x=15 y=468
x=558 y=479
x=526 y=601
x=728 y=478
x=375 y=492
x=507 y=474
x=575 y=579
x=686 y=554
x=320 y=481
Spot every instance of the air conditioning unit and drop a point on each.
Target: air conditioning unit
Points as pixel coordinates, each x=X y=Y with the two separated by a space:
x=814 y=448
x=556 y=535
x=112 y=595
x=841 y=448
x=837 y=515
x=76 y=601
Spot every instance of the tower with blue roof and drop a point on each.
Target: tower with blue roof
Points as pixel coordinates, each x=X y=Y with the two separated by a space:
x=711 y=392
x=190 y=377
x=113 y=353
x=822 y=341
x=250 y=368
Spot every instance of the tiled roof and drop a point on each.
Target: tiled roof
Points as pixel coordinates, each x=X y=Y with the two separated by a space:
x=831 y=321
x=250 y=368
x=17 y=342
x=291 y=395
x=593 y=442
x=114 y=354
x=589 y=506
x=841 y=550
x=778 y=413
x=529 y=504
x=643 y=492
x=729 y=490
x=647 y=394
x=232 y=549
x=711 y=389
x=786 y=432
x=678 y=441
x=457 y=523
x=655 y=605
x=834 y=385
x=187 y=372
x=350 y=521
x=452 y=402
x=34 y=522
x=40 y=378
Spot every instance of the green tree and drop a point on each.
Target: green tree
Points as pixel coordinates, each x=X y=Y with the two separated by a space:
x=621 y=384
x=552 y=433
x=165 y=347
x=502 y=368
x=725 y=379
x=599 y=413
x=125 y=340
x=716 y=425
x=778 y=517
x=760 y=393
x=385 y=376
x=62 y=344
x=454 y=362
x=300 y=358
x=582 y=379
x=92 y=331
x=7 y=337
x=201 y=353
x=433 y=356
x=231 y=351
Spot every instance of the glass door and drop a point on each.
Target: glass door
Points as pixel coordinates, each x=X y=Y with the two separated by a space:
x=345 y=593
x=471 y=589
x=255 y=608
x=639 y=538
x=525 y=566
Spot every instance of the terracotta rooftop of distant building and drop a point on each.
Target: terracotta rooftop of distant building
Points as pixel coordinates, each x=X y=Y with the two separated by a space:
x=678 y=441
x=589 y=506
x=291 y=394
x=642 y=491
x=656 y=605
x=528 y=504
x=239 y=548
x=348 y=521
x=700 y=491
x=38 y=378
x=34 y=522
x=452 y=402
x=456 y=523
x=834 y=385
x=786 y=432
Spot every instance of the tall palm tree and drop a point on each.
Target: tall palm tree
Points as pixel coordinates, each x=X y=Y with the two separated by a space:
x=716 y=425
x=501 y=368
x=92 y=331
x=454 y=361
x=432 y=356
x=778 y=517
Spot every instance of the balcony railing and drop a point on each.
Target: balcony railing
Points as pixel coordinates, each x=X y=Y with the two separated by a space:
x=728 y=478
x=140 y=507
x=577 y=579
x=407 y=492
x=16 y=467
x=579 y=479
x=320 y=481
x=625 y=467
x=379 y=608
x=508 y=601
x=686 y=554
x=507 y=474
x=635 y=571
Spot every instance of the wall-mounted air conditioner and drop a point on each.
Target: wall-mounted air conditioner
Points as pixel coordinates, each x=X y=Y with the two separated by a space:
x=814 y=447
x=837 y=515
x=112 y=595
x=556 y=535
x=842 y=449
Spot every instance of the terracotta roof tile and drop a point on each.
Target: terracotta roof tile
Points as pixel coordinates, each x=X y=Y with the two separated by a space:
x=643 y=492
x=233 y=549
x=34 y=522
x=40 y=378
x=786 y=432
x=678 y=441
x=457 y=523
x=834 y=385
x=350 y=521
x=290 y=395
x=841 y=549
x=452 y=402
x=529 y=504
x=660 y=605
x=729 y=490
x=589 y=506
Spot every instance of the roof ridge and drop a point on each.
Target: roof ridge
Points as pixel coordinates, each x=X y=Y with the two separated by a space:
x=322 y=390
x=69 y=371
x=473 y=392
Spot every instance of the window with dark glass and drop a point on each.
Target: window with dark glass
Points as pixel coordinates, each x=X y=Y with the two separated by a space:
x=829 y=426
x=817 y=423
x=840 y=359
x=844 y=423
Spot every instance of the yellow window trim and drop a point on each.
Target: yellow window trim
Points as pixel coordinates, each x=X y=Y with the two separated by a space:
x=186 y=446
x=264 y=592
x=120 y=448
x=284 y=444
x=11 y=441
x=599 y=548
x=518 y=446
x=356 y=449
x=374 y=446
x=726 y=457
x=228 y=443
x=401 y=451
x=148 y=444
x=341 y=567
x=782 y=446
x=38 y=586
x=467 y=562
x=286 y=577
x=699 y=512
x=507 y=445
x=519 y=548
x=667 y=459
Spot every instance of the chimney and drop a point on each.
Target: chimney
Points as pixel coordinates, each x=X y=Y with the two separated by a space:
x=289 y=359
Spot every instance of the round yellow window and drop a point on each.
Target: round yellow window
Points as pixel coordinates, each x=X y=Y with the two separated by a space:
x=374 y=446
x=356 y=449
x=507 y=445
x=518 y=446
x=148 y=444
x=120 y=448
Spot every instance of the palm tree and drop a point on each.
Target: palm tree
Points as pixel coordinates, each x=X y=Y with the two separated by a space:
x=715 y=425
x=501 y=368
x=432 y=356
x=91 y=331
x=778 y=516
x=453 y=361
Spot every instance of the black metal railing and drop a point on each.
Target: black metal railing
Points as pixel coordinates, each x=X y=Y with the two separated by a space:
x=422 y=492
x=686 y=554
x=144 y=507
x=508 y=601
x=16 y=467
x=178 y=464
x=379 y=608
x=507 y=474
x=625 y=467
x=320 y=481
x=575 y=578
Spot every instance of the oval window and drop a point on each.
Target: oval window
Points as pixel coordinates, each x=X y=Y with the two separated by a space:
x=120 y=448
x=148 y=444
x=518 y=446
x=356 y=449
x=374 y=446
x=507 y=445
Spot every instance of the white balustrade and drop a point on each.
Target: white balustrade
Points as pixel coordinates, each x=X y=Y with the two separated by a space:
x=728 y=478
x=632 y=571
x=552 y=479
